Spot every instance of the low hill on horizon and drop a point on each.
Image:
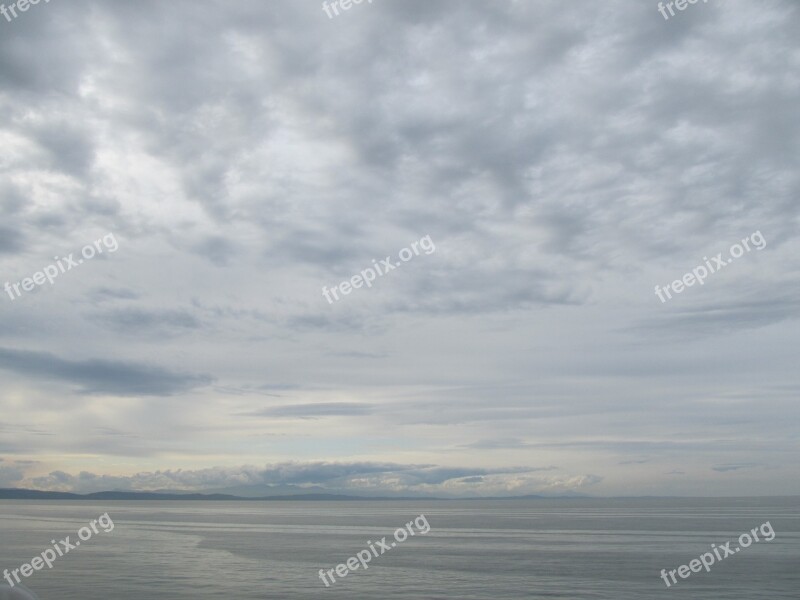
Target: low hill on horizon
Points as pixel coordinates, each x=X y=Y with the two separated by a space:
x=26 y=494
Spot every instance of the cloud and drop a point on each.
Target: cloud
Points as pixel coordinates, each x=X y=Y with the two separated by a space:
x=11 y=240
x=218 y=249
x=497 y=444
x=356 y=478
x=747 y=310
x=11 y=473
x=149 y=322
x=476 y=479
x=735 y=467
x=101 y=376
x=103 y=294
x=313 y=411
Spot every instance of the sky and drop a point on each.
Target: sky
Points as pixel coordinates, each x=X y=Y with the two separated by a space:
x=554 y=162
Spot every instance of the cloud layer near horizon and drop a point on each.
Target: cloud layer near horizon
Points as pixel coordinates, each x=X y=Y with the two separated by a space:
x=382 y=479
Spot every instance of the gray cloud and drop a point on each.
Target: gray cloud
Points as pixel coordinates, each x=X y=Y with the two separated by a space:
x=360 y=478
x=100 y=376
x=103 y=294
x=218 y=249
x=728 y=468
x=313 y=411
x=10 y=240
x=749 y=309
x=11 y=473
x=150 y=322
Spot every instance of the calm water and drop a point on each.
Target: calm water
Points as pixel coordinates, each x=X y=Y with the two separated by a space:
x=594 y=549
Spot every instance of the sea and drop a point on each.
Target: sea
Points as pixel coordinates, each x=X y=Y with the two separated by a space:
x=598 y=549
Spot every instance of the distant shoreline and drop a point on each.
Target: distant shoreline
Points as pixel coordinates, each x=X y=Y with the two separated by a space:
x=25 y=494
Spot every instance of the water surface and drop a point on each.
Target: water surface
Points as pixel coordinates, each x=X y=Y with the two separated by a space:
x=532 y=549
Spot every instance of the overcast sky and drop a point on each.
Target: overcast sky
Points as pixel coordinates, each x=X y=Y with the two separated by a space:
x=564 y=158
